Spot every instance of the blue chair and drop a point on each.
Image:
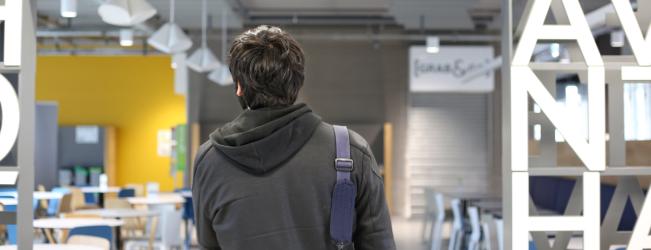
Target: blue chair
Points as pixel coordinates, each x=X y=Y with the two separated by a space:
x=12 y=233
x=90 y=198
x=103 y=232
x=127 y=193
x=53 y=205
x=532 y=245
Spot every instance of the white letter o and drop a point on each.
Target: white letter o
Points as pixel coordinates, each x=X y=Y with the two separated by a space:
x=10 y=117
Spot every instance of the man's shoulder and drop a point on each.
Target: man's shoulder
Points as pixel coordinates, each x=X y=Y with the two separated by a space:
x=203 y=152
x=357 y=142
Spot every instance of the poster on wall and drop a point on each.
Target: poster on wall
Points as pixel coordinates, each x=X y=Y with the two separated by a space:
x=449 y=69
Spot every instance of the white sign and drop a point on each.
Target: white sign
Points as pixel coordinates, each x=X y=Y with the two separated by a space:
x=87 y=134
x=445 y=71
x=165 y=143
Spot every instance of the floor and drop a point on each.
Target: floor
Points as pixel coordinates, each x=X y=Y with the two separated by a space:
x=408 y=233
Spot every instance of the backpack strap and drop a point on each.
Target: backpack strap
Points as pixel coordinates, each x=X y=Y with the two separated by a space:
x=342 y=210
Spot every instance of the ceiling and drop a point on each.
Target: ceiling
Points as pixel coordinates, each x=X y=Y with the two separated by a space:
x=188 y=13
x=408 y=17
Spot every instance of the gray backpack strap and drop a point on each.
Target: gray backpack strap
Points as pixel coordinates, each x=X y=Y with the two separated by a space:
x=342 y=210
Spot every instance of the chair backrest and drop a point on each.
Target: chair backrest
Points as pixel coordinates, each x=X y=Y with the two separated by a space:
x=103 y=232
x=90 y=241
x=65 y=205
x=53 y=204
x=126 y=193
x=116 y=203
x=438 y=220
x=153 y=188
x=90 y=198
x=42 y=203
x=499 y=228
x=188 y=209
x=138 y=188
x=78 y=198
x=475 y=235
x=457 y=225
x=457 y=217
x=440 y=206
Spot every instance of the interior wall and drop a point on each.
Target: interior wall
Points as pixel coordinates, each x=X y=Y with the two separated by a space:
x=133 y=93
x=354 y=83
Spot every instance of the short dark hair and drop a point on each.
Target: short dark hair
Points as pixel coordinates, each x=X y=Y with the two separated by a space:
x=269 y=66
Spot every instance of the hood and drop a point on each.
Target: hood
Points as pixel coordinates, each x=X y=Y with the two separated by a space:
x=261 y=140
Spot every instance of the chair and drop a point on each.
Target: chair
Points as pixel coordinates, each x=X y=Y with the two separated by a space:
x=126 y=193
x=428 y=217
x=437 y=224
x=42 y=205
x=489 y=230
x=138 y=188
x=153 y=188
x=499 y=229
x=456 y=234
x=475 y=235
x=85 y=240
x=90 y=198
x=131 y=225
x=54 y=204
x=78 y=201
x=65 y=204
x=103 y=232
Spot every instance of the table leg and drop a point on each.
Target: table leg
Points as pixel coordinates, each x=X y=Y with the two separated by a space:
x=118 y=237
x=100 y=202
x=48 y=235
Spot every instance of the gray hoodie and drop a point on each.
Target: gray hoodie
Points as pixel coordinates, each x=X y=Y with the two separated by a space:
x=265 y=180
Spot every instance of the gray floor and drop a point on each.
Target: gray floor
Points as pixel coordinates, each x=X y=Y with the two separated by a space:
x=407 y=233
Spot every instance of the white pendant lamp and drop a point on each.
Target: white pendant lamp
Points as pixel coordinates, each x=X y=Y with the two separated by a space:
x=222 y=75
x=170 y=38
x=203 y=60
x=69 y=8
x=126 y=12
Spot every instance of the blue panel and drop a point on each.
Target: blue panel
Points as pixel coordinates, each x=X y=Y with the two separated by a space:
x=563 y=193
x=543 y=191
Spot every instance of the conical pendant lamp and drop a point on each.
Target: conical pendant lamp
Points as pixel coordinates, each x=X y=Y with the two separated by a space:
x=203 y=60
x=170 y=38
x=126 y=12
x=222 y=75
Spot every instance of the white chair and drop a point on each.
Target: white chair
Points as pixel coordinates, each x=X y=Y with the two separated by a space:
x=428 y=217
x=475 y=235
x=489 y=230
x=153 y=188
x=499 y=228
x=437 y=223
x=456 y=234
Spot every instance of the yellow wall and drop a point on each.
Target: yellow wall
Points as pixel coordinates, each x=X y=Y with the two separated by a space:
x=133 y=93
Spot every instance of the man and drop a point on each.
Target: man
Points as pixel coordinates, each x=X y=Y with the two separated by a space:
x=265 y=180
